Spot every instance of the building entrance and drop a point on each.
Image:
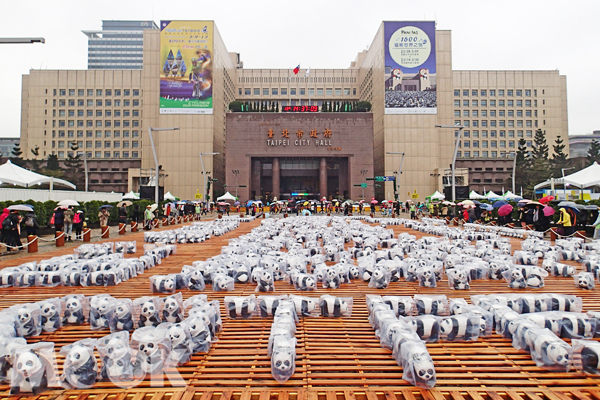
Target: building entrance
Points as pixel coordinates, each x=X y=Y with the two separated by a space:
x=299 y=177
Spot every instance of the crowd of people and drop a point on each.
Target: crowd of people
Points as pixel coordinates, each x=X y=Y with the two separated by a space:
x=408 y=99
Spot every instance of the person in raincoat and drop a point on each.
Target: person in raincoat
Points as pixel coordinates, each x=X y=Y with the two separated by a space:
x=148 y=217
x=565 y=221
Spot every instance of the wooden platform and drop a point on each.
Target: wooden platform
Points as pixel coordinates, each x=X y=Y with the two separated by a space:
x=338 y=359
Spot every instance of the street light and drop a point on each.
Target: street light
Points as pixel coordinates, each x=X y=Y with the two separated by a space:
x=156 y=158
x=236 y=172
x=204 y=173
x=399 y=172
x=22 y=40
x=460 y=128
x=514 y=170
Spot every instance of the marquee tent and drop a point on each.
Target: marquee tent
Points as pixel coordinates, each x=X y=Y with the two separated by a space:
x=511 y=196
x=585 y=178
x=169 y=196
x=131 y=196
x=437 y=196
x=226 y=197
x=15 y=175
x=475 y=196
x=491 y=196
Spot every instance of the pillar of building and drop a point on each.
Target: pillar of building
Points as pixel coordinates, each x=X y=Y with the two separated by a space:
x=255 y=176
x=276 y=178
x=323 y=177
x=343 y=177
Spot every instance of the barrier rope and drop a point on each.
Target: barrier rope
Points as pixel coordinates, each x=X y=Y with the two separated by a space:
x=22 y=246
x=53 y=239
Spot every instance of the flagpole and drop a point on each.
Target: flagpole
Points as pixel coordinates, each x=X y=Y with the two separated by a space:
x=307 y=79
x=289 y=92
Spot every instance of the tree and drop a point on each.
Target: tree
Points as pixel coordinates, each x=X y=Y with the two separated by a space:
x=559 y=158
x=540 y=147
x=523 y=164
x=52 y=163
x=74 y=166
x=539 y=167
x=16 y=155
x=593 y=154
x=35 y=163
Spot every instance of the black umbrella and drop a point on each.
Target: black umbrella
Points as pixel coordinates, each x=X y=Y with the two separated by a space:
x=106 y=206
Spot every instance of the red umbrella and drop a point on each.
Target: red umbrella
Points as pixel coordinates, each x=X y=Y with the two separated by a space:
x=505 y=210
x=374 y=201
x=546 y=199
x=548 y=211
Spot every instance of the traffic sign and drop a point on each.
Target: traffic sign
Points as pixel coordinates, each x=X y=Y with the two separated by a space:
x=370 y=179
x=385 y=178
x=363 y=185
x=359 y=185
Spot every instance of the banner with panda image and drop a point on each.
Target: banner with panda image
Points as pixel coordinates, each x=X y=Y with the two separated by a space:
x=410 y=68
x=186 y=65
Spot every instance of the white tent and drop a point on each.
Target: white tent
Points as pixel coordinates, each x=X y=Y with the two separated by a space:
x=169 y=196
x=491 y=196
x=511 y=196
x=15 y=175
x=131 y=196
x=437 y=196
x=475 y=196
x=587 y=177
x=226 y=197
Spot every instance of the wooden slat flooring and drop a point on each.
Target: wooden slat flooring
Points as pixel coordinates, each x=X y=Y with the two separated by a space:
x=338 y=359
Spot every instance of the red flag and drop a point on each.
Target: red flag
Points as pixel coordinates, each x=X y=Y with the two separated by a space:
x=297 y=69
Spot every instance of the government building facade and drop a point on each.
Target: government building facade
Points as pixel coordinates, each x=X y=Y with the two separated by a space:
x=303 y=134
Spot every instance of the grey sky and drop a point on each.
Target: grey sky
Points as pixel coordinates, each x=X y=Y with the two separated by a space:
x=498 y=35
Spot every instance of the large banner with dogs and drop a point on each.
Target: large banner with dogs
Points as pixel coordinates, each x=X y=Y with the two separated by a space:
x=186 y=67
x=410 y=68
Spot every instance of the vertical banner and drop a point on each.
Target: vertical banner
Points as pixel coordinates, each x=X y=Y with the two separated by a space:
x=186 y=67
x=410 y=68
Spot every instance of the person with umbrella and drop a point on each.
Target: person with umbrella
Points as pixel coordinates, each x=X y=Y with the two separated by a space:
x=13 y=227
x=59 y=219
x=148 y=217
x=68 y=218
x=103 y=216
x=31 y=223
x=78 y=224
x=565 y=221
x=123 y=213
x=135 y=214
x=540 y=220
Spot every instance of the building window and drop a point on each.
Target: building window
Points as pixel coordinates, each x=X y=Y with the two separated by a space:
x=456 y=92
x=117 y=92
x=467 y=154
x=125 y=144
x=126 y=92
x=247 y=91
x=338 y=92
x=465 y=113
x=475 y=113
x=136 y=103
x=319 y=91
x=465 y=92
x=500 y=92
x=474 y=103
x=265 y=93
x=483 y=93
x=106 y=155
x=136 y=92
x=116 y=154
x=456 y=103
x=135 y=145
x=135 y=133
x=475 y=143
x=98 y=144
x=134 y=154
x=125 y=154
x=125 y=134
x=465 y=103
x=256 y=91
x=474 y=92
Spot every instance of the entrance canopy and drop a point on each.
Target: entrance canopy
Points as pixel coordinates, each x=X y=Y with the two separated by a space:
x=15 y=175
x=585 y=178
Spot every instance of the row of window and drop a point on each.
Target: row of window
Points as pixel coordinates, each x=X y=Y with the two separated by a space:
x=498 y=180
x=306 y=79
x=99 y=92
x=500 y=92
x=99 y=134
x=99 y=103
x=90 y=113
x=484 y=143
x=499 y=113
x=483 y=154
x=294 y=91
x=89 y=123
x=494 y=103
x=100 y=154
x=493 y=133
x=97 y=144
x=500 y=123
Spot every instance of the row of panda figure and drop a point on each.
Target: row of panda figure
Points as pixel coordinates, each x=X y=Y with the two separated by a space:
x=196 y=232
x=265 y=306
x=162 y=337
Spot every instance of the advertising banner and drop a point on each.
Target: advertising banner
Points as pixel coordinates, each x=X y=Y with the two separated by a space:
x=410 y=67
x=186 y=67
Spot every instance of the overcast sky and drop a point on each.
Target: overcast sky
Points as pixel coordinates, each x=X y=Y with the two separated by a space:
x=497 y=35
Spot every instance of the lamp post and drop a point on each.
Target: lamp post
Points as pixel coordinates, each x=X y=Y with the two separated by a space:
x=30 y=40
x=150 y=130
x=399 y=172
x=86 y=168
x=204 y=172
x=460 y=128
x=236 y=172
x=514 y=171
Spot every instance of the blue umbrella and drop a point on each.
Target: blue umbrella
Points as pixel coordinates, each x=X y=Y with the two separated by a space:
x=106 y=206
x=476 y=202
x=249 y=202
x=485 y=206
x=499 y=203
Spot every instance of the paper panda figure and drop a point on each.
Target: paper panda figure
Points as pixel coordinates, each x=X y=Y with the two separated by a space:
x=7 y=346
x=7 y=278
x=458 y=279
x=331 y=279
x=410 y=274
x=26 y=279
x=426 y=277
x=116 y=357
x=80 y=369
x=151 y=353
x=30 y=373
x=427 y=305
x=95 y=278
x=585 y=280
x=417 y=365
x=51 y=320
x=401 y=305
x=148 y=314
x=590 y=356
x=380 y=278
x=564 y=270
x=199 y=333
x=459 y=327
x=517 y=278
x=551 y=352
x=305 y=306
x=577 y=326
x=196 y=281
x=268 y=305
x=222 y=283
x=240 y=307
x=561 y=302
x=74 y=313
x=332 y=306
x=305 y=282
x=283 y=358
x=241 y=274
x=122 y=319
x=162 y=284
x=265 y=281
x=427 y=327
x=181 y=346
x=535 y=277
x=101 y=308
x=29 y=321
x=172 y=310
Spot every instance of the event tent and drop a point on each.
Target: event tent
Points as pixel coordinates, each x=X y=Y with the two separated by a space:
x=585 y=178
x=15 y=175
x=511 y=196
x=226 y=197
x=491 y=196
x=437 y=196
x=131 y=196
x=475 y=196
x=169 y=196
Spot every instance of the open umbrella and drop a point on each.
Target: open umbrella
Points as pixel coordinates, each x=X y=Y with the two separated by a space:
x=249 y=203
x=589 y=207
x=523 y=202
x=385 y=201
x=487 y=207
x=505 y=210
x=222 y=203
x=21 y=207
x=569 y=204
x=546 y=199
x=374 y=201
x=534 y=203
x=467 y=203
x=499 y=203
x=548 y=211
x=107 y=206
x=125 y=203
x=447 y=203
x=67 y=203
x=153 y=207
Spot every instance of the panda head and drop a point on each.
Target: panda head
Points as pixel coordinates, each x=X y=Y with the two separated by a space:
x=331 y=274
x=116 y=348
x=283 y=361
x=73 y=304
x=28 y=364
x=558 y=354
x=446 y=326
x=517 y=274
x=266 y=277
x=171 y=304
x=354 y=272
x=101 y=305
x=168 y=284
x=148 y=309
x=24 y=315
x=176 y=334
x=78 y=356
x=48 y=309
x=197 y=327
x=121 y=310
x=378 y=274
x=585 y=281
x=148 y=347
x=423 y=367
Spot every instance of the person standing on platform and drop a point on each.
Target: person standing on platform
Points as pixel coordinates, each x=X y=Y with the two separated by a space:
x=69 y=214
x=565 y=221
x=148 y=217
x=103 y=216
x=78 y=224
